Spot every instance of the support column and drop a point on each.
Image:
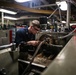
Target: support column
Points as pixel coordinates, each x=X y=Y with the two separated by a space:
x=2 y=19
x=68 y=14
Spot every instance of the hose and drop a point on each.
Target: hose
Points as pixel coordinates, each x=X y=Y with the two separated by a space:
x=28 y=67
x=71 y=33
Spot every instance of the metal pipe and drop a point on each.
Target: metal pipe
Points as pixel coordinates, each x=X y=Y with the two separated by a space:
x=53 y=13
x=68 y=14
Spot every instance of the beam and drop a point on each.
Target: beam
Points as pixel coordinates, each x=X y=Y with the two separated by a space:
x=17 y=6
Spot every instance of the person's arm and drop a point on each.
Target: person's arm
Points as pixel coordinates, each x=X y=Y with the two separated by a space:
x=33 y=43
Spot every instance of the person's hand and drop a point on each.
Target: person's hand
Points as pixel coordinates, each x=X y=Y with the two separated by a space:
x=33 y=43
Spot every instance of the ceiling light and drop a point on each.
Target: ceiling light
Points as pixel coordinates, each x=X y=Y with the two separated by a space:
x=63 y=21
x=10 y=18
x=7 y=11
x=72 y=24
x=62 y=5
x=21 y=1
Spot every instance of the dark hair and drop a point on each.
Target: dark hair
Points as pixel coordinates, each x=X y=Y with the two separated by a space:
x=36 y=23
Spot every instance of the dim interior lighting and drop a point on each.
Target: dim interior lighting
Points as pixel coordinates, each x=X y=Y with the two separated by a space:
x=63 y=5
x=7 y=11
x=21 y=1
x=10 y=18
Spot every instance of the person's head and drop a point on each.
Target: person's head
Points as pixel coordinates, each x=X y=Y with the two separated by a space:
x=34 y=26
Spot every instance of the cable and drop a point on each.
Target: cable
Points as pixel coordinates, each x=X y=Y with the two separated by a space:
x=27 y=68
x=71 y=33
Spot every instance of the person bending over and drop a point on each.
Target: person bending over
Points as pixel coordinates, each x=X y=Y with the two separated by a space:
x=27 y=34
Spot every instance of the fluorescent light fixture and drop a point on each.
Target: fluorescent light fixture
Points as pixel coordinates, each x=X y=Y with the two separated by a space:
x=62 y=5
x=10 y=18
x=8 y=11
x=21 y=1
x=72 y=24
x=63 y=21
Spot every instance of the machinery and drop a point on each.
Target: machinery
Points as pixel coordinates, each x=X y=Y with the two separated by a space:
x=8 y=60
x=31 y=60
x=34 y=60
x=64 y=63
